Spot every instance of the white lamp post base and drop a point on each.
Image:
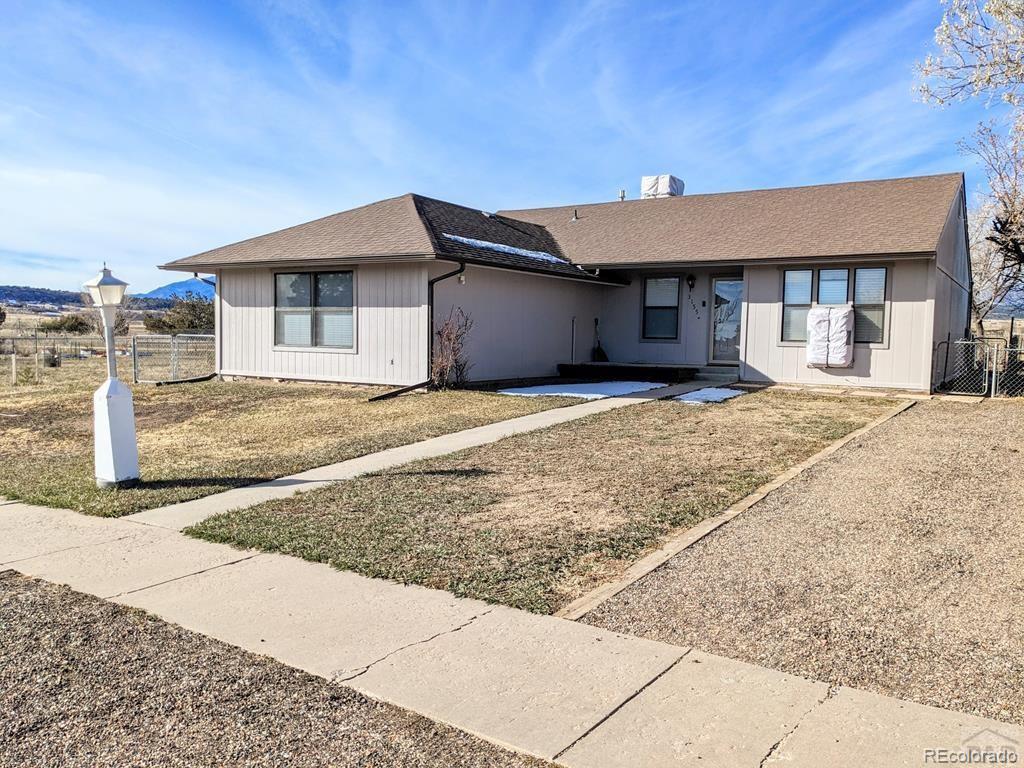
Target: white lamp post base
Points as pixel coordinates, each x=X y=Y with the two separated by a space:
x=117 y=454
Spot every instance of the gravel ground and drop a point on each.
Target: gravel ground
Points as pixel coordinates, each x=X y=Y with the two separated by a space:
x=896 y=566
x=84 y=682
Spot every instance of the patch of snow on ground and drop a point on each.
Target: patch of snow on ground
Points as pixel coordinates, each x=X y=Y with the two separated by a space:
x=501 y=247
x=588 y=391
x=708 y=395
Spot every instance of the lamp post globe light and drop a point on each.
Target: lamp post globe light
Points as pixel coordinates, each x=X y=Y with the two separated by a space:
x=117 y=454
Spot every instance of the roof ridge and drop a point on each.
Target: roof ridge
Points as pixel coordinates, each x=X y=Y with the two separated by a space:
x=636 y=200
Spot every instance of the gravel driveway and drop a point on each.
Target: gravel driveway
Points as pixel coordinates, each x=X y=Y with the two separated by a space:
x=84 y=682
x=895 y=566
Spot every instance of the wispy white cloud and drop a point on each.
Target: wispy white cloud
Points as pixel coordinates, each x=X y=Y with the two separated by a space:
x=138 y=133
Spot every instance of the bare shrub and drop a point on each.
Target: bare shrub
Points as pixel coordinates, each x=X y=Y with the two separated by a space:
x=450 y=367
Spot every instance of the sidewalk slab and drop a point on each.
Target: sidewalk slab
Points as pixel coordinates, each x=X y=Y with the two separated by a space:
x=28 y=531
x=532 y=683
x=329 y=623
x=856 y=728
x=707 y=711
x=182 y=515
x=142 y=557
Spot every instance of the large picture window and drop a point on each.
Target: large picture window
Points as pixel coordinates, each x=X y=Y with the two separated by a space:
x=869 y=305
x=661 y=308
x=314 y=309
x=796 y=300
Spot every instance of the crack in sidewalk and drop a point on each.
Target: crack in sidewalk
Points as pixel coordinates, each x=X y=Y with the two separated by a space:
x=66 y=549
x=774 y=748
x=621 y=704
x=336 y=678
x=183 y=576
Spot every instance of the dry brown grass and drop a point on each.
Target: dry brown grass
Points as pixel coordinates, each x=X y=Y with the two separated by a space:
x=538 y=519
x=198 y=439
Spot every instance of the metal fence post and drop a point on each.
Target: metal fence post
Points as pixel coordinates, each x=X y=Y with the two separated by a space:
x=135 y=361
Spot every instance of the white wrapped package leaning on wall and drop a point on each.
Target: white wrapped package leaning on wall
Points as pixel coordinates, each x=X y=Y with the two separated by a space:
x=830 y=337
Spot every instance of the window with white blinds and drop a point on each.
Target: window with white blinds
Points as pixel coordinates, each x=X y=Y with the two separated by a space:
x=796 y=300
x=314 y=309
x=869 y=305
x=661 y=308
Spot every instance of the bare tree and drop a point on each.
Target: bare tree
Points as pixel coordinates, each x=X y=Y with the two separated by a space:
x=997 y=282
x=450 y=365
x=979 y=53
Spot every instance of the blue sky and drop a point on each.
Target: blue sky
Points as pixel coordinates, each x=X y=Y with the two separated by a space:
x=139 y=132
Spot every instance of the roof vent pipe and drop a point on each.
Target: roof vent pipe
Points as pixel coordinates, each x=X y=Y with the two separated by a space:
x=622 y=195
x=664 y=185
x=575 y=214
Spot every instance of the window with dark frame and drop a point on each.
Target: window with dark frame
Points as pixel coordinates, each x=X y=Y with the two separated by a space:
x=314 y=309
x=796 y=301
x=869 y=305
x=661 y=308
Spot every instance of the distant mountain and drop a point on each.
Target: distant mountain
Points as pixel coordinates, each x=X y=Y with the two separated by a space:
x=179 y=289
x=23 y=294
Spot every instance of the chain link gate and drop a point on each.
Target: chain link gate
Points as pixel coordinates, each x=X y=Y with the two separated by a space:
x=1008 y=371
x=985 y=366
x=966 y=366
x=172 y=359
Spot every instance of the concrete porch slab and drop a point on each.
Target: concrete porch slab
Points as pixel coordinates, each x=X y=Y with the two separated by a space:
x=856 y=728
x=29 y=531
x=706 y=710
x=533 y=683
x=327 y=622
x=143 y=557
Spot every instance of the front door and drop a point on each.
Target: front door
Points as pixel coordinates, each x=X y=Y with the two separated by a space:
x=727 y=309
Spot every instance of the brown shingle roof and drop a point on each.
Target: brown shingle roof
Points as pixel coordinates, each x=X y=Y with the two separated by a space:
x=410 y=225
x=390 y=227
x=893 y=216
x=859 y=218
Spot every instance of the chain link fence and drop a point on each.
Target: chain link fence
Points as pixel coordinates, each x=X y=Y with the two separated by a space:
x=986 y=366
x=170 y=359
x=966 y=366
x=1008 y=371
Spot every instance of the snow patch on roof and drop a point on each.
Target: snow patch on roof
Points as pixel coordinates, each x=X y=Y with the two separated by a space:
x=502 y=248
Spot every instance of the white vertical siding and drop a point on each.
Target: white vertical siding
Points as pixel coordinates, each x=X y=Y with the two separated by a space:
x=390 y=320
x=902 y=362
x=522 y=323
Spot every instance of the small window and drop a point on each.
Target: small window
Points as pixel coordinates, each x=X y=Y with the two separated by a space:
x=796 y=300
x=833 y=286
x=661 y=308
x=869 y=305
x=314 y=309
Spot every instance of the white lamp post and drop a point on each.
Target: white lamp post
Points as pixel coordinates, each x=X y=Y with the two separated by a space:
x=117 y=454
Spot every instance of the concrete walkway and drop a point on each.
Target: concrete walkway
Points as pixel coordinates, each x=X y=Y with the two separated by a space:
x=180 y=516
x=549 y=687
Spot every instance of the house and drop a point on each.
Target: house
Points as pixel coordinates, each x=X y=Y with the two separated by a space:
x=723 y=280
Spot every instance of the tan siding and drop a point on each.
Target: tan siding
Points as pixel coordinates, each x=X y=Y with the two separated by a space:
x=902 y=362
x=522 y=323
x=951 y=275
x=390 y=317
x=622 y=319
